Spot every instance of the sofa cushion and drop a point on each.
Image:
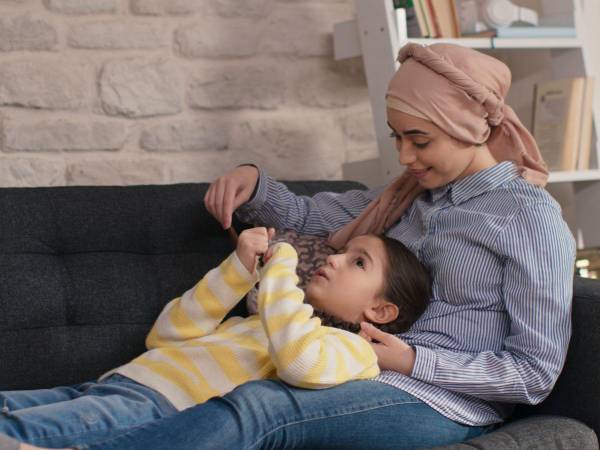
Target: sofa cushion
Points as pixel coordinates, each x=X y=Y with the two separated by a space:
x=534 y=433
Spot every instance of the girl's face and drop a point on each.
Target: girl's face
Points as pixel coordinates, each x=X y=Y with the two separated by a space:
x=352 y=281
x=433 y=157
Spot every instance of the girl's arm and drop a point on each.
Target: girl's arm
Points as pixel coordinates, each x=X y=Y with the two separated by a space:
x=275 y=205
x=198 y=311
x=537 y=295
x=305 y=353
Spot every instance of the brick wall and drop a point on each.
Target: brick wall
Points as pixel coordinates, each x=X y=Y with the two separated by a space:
x=110 y=92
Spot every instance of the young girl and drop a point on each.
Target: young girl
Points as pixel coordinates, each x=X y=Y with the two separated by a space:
x=471 y=207
x=192 y=356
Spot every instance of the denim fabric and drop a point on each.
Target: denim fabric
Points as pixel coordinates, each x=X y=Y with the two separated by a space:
x=269 y=414
x=71 y=415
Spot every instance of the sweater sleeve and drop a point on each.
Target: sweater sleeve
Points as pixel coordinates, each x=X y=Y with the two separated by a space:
x=274 y=205
x=199 y=310
x=537 y=290
x=306 y=353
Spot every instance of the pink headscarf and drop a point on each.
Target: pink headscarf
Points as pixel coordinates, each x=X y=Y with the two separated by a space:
x=462 y=92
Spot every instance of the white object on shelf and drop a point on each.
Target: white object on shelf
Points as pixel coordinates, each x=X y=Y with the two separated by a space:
x=581 y=175
x=502 y=13
x=536 y=32
x=401 y=29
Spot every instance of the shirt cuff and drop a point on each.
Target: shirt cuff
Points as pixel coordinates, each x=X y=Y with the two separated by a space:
x=260 y=192
x=425 y=361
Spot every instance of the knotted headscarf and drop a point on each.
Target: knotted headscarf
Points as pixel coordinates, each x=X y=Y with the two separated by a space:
x=462 y=92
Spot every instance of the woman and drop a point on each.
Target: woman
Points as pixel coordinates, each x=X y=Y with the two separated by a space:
x=471 y=207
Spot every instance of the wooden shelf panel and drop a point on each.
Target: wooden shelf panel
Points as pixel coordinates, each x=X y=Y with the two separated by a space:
x=536 y=43
x=524 y=43
x=582 y=175
x=465 y=42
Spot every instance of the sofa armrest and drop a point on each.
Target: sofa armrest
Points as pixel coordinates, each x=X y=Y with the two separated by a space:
x=536 y=432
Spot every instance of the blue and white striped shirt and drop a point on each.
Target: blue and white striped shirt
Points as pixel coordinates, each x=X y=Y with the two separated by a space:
x=501 y=260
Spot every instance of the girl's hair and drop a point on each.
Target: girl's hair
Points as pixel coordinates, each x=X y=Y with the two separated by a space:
x=407 y=285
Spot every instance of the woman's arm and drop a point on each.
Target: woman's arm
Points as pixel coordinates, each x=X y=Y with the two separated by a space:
x=305 y=353
x=198 y=311
x=537 y=290
x=274 y=205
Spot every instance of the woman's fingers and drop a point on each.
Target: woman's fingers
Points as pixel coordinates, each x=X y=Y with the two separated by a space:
x=219 y=194
x=228 y=192
x=364 y=335
x=375 y=333
x=208 y=199
x=229 y=197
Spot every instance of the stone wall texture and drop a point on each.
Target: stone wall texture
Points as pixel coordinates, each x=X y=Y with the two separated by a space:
x=116 y=92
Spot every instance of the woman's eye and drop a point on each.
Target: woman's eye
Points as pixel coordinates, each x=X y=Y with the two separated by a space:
x=421 y=144
x=360 y=263
x=394 y=135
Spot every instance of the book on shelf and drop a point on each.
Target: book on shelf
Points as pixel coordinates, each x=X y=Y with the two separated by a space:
x=424 y=18
x=468 y=16
x=421 y=19
x=446 y=15
x=429 y=13
x=536 y=32
x=412 y=25
x=585 y=138
x=560 y=107
x=401 y=25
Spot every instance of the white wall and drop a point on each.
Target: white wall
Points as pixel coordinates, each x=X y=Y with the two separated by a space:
x=164 y=91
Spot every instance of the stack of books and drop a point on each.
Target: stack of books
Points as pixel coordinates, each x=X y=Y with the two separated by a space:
x=434 y=18
x=562 y=122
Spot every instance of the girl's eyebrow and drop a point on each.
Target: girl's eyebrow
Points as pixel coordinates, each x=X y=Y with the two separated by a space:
x=358 y=250
x=410 y=132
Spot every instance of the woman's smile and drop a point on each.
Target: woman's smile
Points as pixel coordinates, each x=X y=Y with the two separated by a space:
x=419 y=173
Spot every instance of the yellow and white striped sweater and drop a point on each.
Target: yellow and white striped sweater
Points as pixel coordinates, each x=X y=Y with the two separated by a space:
x=192 y=356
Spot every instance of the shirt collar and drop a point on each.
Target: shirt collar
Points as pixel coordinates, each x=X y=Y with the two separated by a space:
x=476 y=184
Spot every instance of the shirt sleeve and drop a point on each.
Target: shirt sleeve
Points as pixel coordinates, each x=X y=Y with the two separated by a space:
x=306 y=353
x=200 y=310
x=274 y=205
x=539 y=255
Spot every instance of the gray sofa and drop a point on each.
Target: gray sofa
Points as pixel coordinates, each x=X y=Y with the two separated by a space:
x=84 y=271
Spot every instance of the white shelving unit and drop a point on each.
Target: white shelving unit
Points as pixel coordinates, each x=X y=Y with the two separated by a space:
x=373 y=35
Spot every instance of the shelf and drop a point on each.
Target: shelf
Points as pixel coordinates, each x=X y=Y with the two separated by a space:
x=565 y=177
x=490 y=43
x=536 y=43
x=347 y=41
x=465 y=42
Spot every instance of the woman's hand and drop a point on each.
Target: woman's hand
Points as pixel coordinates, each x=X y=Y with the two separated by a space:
x=392 y=352
x=251 y=244
x=229 y=191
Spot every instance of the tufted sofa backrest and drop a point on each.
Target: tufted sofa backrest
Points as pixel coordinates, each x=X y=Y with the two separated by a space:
x=84 y=272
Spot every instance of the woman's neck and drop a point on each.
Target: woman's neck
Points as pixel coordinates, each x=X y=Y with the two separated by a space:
x=482 y=160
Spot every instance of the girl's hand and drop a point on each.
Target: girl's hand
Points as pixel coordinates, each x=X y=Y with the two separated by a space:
x=392 y=352
x=251 y=244
x=229 y=191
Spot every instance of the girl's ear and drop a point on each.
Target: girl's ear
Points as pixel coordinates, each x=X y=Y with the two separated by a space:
x=382 y=312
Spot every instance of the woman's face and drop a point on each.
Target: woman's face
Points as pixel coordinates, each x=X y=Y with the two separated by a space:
x=433 y=157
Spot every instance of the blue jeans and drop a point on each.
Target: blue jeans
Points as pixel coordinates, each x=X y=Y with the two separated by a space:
x=272 y=415
x=72 y=415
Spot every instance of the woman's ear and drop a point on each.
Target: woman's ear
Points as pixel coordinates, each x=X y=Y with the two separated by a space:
x=383 y=311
